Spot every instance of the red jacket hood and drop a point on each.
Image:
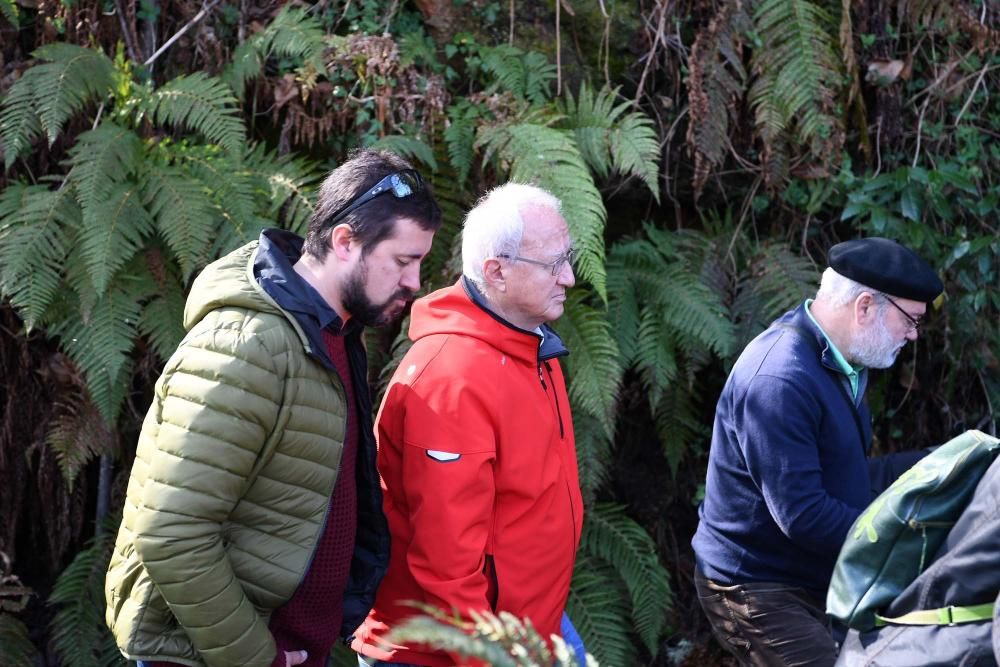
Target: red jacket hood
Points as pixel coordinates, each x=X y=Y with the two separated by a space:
x=452 y=310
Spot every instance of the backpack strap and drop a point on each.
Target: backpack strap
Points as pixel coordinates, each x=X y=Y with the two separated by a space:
x=943 y=616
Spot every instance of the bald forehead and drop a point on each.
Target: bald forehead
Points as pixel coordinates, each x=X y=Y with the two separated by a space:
x=542 y=225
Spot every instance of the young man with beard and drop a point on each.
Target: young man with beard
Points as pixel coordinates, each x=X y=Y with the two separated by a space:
x=476 y=447
x=788 y=471
x=253 y=532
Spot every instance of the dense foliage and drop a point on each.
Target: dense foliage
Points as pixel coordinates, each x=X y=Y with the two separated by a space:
x=707 y=154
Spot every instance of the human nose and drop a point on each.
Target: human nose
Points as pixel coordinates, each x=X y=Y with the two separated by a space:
x=410 y=279
x=566 y=277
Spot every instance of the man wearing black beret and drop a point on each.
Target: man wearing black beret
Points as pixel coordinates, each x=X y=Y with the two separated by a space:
x=788 y=470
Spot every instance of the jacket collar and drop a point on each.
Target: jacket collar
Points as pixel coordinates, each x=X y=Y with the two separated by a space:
x=550 y=345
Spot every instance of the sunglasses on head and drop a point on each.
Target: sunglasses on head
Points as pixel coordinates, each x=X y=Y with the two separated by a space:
x=401 y=184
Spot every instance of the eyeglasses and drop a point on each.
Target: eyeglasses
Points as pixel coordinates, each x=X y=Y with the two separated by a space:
x=554 y=266
x=401 y=184
x=914 y=322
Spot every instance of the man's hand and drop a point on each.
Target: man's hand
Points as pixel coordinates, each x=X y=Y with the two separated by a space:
x=295 y=658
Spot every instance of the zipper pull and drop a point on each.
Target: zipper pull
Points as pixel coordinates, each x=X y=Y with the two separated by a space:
x=541 y=378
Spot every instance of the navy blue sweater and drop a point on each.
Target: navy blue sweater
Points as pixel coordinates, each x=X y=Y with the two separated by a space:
x=788 y=471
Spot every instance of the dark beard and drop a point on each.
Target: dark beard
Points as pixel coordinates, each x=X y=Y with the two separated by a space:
x=361 y=308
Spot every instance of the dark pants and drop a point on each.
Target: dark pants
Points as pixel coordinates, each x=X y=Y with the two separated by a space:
x=768 y=625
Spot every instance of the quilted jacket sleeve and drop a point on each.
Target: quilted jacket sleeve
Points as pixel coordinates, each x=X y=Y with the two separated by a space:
x=218 y=402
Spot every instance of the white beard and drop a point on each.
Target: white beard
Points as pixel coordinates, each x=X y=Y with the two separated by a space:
x=875 y=346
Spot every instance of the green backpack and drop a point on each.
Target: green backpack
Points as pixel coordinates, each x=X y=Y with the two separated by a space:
x=898 y=535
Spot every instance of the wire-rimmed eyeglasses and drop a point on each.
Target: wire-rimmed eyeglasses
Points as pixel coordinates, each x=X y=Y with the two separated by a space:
x=555 y=266
x=914 y=322
x=401 y=184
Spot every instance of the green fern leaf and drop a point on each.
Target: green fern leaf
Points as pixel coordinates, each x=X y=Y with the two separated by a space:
x=100 y=159
x=98 y=338
x=635 y=150
x=611 y=535
x=36 y=230
x=113 y=230
x=235 y=190
x=74 y=76
x=19 y=124
x=678 y=424
x=16 y=649
x=594 y=376
x=77 y=435
x=161 y=320
x=9 y=10
x=202 y=104
x=79 y=635
x=183 y=213
x=409 y=147
x=291 y=185
x=295 y=33
x=245 y=65
x=656 y=353
x=528 y=75
x=799 y=71
x=593 y=453
x=599 y=607
x=550 y=159
x=608 y=139
x=460 y=137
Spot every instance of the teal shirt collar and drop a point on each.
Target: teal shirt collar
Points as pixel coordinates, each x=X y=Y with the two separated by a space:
x=853 y=374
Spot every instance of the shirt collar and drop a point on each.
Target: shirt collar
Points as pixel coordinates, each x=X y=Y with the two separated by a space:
x=853 y=373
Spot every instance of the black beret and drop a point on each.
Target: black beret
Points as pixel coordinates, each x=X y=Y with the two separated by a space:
x=886 y=266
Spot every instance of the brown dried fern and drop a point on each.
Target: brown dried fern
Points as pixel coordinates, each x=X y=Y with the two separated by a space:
x=716 y=81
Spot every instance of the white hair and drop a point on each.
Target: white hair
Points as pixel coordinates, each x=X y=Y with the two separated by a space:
x=838 y=290
x=495 y=227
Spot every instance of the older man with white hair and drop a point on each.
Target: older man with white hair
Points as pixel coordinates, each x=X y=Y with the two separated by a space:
x=476 y=448
x=788 y=470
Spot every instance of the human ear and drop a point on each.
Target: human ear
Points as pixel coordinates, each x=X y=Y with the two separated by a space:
x=341 y=240
x=493 y=274
x=864 y=307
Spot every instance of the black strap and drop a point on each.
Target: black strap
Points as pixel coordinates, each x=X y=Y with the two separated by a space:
x=810 y=339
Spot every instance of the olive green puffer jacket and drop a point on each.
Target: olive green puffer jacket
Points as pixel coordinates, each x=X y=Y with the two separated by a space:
x=236 y=462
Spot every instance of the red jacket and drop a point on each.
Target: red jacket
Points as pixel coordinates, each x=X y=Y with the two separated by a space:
x=479 y=473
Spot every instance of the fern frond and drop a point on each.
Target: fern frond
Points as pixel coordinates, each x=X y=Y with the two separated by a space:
x=77 y=435
x=98 y=338
x=695 y=310
x=294 y=33
x=247 y=63
x=599 y=607
x=593 y=453
x=36 y=229
x=610 y=534
x=16 y=649
x=550 y=159
x=113 y=230
x=774 y=280
x=202 y=104
x=183 y=214
x=9 y=10
x=235 y=188
x=526 y=74
x=798 y=71
x=656 y=353
x=408 y=147
x=291 y=185
x=73 y=77
x=594 y=375
x=161 y=320
x=79 y=635
x=717 y=78
x=19 y=124
x=448 y=637
x=678 y=423
x=608 y=139
x=460 y=137
x=101 y=158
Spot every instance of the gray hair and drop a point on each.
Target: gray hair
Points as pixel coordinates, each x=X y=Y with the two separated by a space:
x=495 y=227
x=838 y=290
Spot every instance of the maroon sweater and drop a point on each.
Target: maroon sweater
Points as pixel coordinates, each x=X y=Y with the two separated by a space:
x=311 y=619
